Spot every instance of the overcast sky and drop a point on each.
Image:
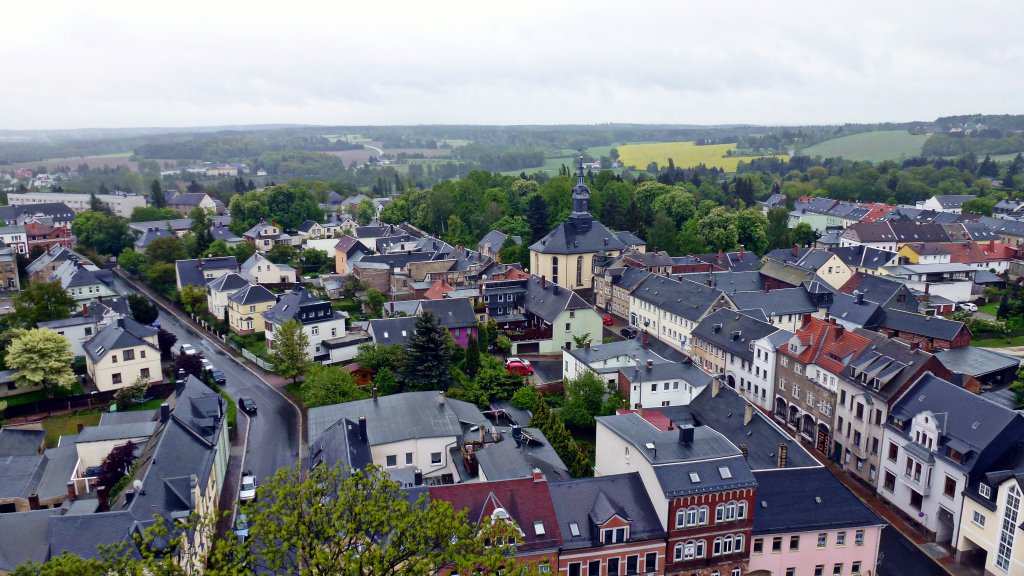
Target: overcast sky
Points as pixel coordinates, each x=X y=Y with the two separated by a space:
x=111 y=64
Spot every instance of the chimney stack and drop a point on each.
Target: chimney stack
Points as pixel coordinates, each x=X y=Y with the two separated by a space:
x=858 y=297
x=362 y=428
x=783 y=455
x=440 y=398
x=165 y=412
x=742 y=251
x=33 y=501
x=643 y=340
x=744 y=450
x=796 y=250
x=538 y=476
x=748 y=413
x=543 y=282
x=715 y=386
x=102 y=493
x=81 y=426
x=199 y=262
x=72 y=491
x=374 y=392
x=686 y=434
x=586 y=345
x=650 y=363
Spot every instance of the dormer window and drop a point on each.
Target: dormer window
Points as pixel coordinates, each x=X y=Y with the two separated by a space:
x=614 y=535
x=984 y=490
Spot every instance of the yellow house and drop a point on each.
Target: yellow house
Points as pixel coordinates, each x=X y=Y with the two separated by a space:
x=121 y=353
x=565 y=255
x=246 y=308
x=983 y=525
x=920 y=253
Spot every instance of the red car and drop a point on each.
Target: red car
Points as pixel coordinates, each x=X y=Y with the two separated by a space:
x=607 y=320
x=519 y=368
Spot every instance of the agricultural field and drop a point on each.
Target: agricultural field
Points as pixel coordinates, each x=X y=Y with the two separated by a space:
x=683 y=154
x=111 y=160
x=870 y=146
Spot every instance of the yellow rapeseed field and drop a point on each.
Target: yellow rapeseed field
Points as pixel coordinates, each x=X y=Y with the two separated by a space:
x=683 y=154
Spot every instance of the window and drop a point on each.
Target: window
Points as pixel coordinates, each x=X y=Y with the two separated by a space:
x=794 y=542
x=736 y=572
x=855 y=568
x=435 y=457
x=651 y=562
x=790 y=571
x=978 y=519
x=538 y=527
x=315 y=331
x=840 y=538
x=554 y=270
x=1008 y=529
x=115 y=378
x=799 y=369
x=568 y=327
x=858 y=538
x=128 y=355
x=949 y=488
x=575 y=569
x=142 y=353
x=408 y=458
x=777 y=544
x=819 y=570
x=632 y=564
x=702 y=515
x=837 y=569
x=594 y=567
x=579 y=270
x=392 y=460
x=894 y=450
x=614 y=535
x=113 y=358
x=984 y=490
x=613 y=567
x=758 y=545
x=544 y=567
x=144 y=373
x=716 y=548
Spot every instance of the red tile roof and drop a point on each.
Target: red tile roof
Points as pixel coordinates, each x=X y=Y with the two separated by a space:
x=827 y=345
x=526 y=501
x=974 y=252
x=437 y=291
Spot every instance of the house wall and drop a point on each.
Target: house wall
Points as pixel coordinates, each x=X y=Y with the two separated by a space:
x=862 y=461
x=613 y=455
x=208 y=275
x=102 y=372
x=809 y=555
x=217 y=301
x=90 y=292
x=655 y=393
x=119 y=205
x=421 y=450
x=762 y=391
x=255 y=311
x=671 y=329
x=77 y=335
x=679 y=535
x=341 y=262
x=602 y=554
x=93 y=453
x=264 y=271
x=810 y=396
x=316 y=333
x=569 y=324
x=975 y=539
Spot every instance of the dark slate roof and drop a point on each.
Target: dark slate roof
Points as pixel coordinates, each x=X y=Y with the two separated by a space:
x=845 y=308
x=567 y=238
x=116 y=432
x=291 y=304
x=24 y=538
x=707 y=443
x=224 y=233
x=877 y=289
x=502 y=461
x=82 y=534
x=777 y=302
x=451 y=312
x=821 y=503
x=975 y=361
x=397 y=260
x=979 y=232
x=590 y=502
x=59 y=211
x=189 y=273
x=725 y=414
x=21 y=442
x=546 y=304
x=930 y=326
x=913 y=232
x=147 y=237
x=348 y=244
x=187 y=199
x=229 y=281
x=687 y=299
x=727 y=281
x=339 y=445
x=134 y=417
x=392 y=330
x=863 y=256
x=891 y=360
x=661 y=371
x=953 y=200
x=20 y=475
x=124 y=333
x=494 y=239
x=1005 y=227
x=732 y=261
x=630 y=278
x=630 y=239
x=732 y=331
x=399 y=417
x=598 y=353
x=252 y=294
x=975 y=426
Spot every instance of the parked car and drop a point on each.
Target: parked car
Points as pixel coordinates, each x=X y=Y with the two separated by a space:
x=247 y=489
x=969 y=306
x=218 y=376
x=629 y=332
x=247 y=404
x=187 y=349
x=519 y=368
x=513 y=359
x=242 y=527
x=607 y=320
x=207 y=365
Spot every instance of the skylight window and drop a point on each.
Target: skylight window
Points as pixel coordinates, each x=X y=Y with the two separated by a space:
x=538 y=527
x=724 y=472
x=574 y=529
x=694 y=477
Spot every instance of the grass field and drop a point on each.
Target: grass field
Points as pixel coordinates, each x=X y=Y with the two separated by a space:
x=871 y=146
x=98 y=161
x=683 y=155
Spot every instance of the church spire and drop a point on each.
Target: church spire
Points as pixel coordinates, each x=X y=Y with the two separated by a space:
x=580 y=215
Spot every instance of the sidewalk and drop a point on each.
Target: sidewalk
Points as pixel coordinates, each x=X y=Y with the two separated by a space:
x=938 y=553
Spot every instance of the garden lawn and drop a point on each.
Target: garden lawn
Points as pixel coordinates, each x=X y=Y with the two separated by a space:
x=30 y=397
x=67 y=424
x=999 y=342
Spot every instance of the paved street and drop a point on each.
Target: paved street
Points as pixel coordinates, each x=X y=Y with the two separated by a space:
x=899 y=557
x=273 y=434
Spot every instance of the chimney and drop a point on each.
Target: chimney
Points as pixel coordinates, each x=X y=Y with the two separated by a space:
x=744 y=450
x=716 y=387
x=643 y=340
x=839 y=331
x=374 y=392
x=165 y=412
x=440 y=398
x=783 y=455
x=650 y=363
x=720 y=256
x=417 y=477
x=81 y=426
x=586 y=345
x=796 y=250
x=199 y=262
x=748 y=413
x=129 y=496
x=72 y=491
x=543 y=282
x=914 y=345
x=483 y=432
x=102 y=492
x=686 y=434
x=742 y=251
x=33 y=501
x=538 y=476
x=858 y=297
x=991 y=244
x=362 y=428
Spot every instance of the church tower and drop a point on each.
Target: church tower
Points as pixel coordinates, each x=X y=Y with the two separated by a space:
x=580 y=216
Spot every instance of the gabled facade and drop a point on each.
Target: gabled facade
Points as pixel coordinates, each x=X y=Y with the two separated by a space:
x=319 y=321
x=669 y=310
x=454 y=315
x=246 y=307
x=991 y=537
x=121 y=353
x=263 y=236
x=258 y=270
x=538 y=316
x=9 y=279
x=83 y=282
x=724 y=343
x=218 y=292
x=201 y=271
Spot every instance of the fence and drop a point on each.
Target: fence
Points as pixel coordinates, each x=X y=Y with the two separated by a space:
x=95 y=400
x=249 y=355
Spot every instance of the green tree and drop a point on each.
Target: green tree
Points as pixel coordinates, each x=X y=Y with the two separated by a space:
x=97 y=205
x=662 y=234
x=525 y=398
x=42 y=357
x=193 y=299
x=752 y=230
x=153 y=214
x=219 y=248
x=374 y=529
x=313 y=258
x=428 y=359
x=156 y=194
x=472 y=362
x=290 y=353
x=804 y=235
x=365 y=212
x=103 y=233
x=41 y=302
x=719 y=229
x=282 y=253
x=242 y=251
x=165 y=251
x=778 y=228
x=585 y=397
x=143 y=309
x=385 y=381
x=326 y=385
x=537 y=216
x=375 y=302
x=200 y=230
x=582 y=340
x=380 y=356
x=131 y=261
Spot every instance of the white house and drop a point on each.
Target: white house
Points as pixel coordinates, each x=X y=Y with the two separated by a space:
x=220 y=290
x=258 y=270
x=669 y=309
x=84 y=282
x=121 y=353
x=319 y=321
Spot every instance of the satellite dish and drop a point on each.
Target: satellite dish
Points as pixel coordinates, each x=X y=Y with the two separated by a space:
x=137 y=484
